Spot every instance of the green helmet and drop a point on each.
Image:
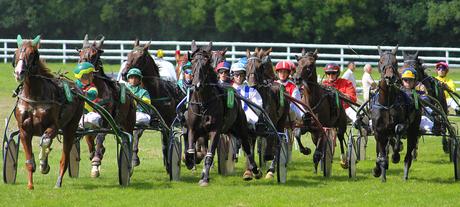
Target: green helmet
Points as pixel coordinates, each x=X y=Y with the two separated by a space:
x=134 y=71
x=83 y=68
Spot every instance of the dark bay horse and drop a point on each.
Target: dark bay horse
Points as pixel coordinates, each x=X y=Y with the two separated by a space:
x=109 y=94
x=393 y=116
x=208 y=115
x=43 y=109
x=322 y=102
x=260 y=75
x=431 y=84
x=165 y=95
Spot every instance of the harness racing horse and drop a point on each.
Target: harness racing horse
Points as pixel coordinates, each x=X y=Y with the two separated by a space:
x=323 y=103
x=217 y=57
x=43 y=109
x=209 y=115
x=260 y=75
x=120 y=106
x=393 y=116
x=433 y=86
x=164 y=95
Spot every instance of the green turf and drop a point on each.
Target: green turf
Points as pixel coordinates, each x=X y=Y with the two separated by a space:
x=431 y=178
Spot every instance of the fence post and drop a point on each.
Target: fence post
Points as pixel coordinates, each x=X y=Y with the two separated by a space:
x=64 y=46
x=5 y=52
x=341 y=59
x=447 y=56
x=122 y=48
x=288 y=50
x=233 y=52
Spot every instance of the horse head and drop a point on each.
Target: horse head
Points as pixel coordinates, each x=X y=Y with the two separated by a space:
x=388 y=66
x=412 y=61
x=201 y=65
x=259 y=67
x=26 y=58
x=140 y=58
x=306 y=69
x=91 y=52
x=217 y=57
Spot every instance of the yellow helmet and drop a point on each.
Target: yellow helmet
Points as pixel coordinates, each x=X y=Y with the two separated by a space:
x=160 y=53
x=409 y=73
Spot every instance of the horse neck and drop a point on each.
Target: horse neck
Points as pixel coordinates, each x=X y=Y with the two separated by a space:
x=33 y=88
x=151 y=69
x=387 y=94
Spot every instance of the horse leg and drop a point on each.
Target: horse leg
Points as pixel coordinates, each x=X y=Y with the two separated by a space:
x=208 y=160
x=343 y=157
x=251 y=166
x=399 y=130
x=318 y=154
x=165 y=146
x=45 y=148
x=382 y=159
x=303 y=149
x=411 y=146
x=26 y=140
x=271 y=169
x=190 y=153
x=98 y=155
x=136 y=136
x=68 y=140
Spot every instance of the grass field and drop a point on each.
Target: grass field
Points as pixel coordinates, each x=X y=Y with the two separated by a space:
x=431 y=180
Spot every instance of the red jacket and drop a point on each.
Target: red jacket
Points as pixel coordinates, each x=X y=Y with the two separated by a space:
x=345 y=86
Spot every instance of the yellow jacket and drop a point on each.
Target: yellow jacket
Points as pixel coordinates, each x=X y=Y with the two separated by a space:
x=449 y=82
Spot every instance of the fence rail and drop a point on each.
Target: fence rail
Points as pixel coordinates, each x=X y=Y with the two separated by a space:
x=116 y=50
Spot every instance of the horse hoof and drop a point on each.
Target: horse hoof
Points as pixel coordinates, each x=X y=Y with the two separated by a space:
x=269 y=175
x=377 y=172
x=45 y=169
x=30 y=187
x=204 y=184
x=136 y=162
x=95 y=172
x=248 y=175
x=344 y=164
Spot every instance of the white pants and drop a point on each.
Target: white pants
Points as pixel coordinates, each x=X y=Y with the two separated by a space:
x=351 y=113
x=426 y=124
x=142 y=118
x=90 y=120
x=451 y=103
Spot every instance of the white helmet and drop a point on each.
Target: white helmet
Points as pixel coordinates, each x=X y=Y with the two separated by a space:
x=238 y=67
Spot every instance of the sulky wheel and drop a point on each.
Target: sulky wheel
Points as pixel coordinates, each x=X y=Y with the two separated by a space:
x=261 y=146
x=456 y=158
x=174 y=156
x=10 y=159
x=225 y=153
x=326 y=161
x=351 y=158
x=282 y=160
x=74 y=164
x=124 y=164
x=361 y=145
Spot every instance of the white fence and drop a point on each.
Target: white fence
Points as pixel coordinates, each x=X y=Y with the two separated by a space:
x=116 y=50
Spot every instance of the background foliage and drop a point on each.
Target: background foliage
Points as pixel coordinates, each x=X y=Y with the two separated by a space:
x=407 y=22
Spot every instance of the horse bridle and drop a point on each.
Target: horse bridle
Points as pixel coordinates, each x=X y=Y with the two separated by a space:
x=263 y=61
x=27 y=63
x=389 y=65
x=199 y=55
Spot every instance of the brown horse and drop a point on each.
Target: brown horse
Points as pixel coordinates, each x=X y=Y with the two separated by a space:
x=393 y=116
x=260 y=75
x=164 y=95
x=43 y=109
x=217 y=57
x=322 y=102
x=208 y=115
x=109 y=92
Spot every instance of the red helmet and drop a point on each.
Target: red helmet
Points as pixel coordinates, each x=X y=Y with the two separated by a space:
x=332 y=67
x=283 y=65
x=442 y=66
